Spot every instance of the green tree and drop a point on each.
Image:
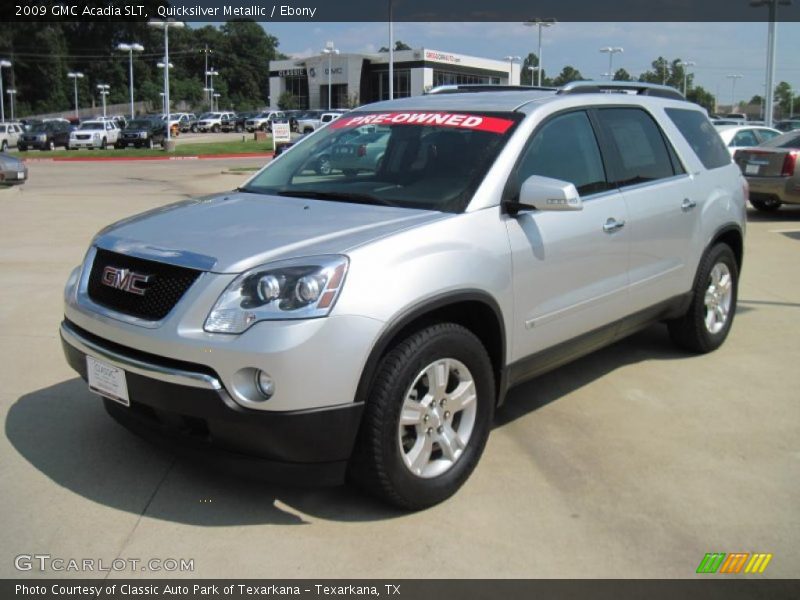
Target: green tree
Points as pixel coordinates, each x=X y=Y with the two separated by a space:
x=567 y=74
x=701 y=96
x=398 y=45
x=287 y=101
x=622 y=75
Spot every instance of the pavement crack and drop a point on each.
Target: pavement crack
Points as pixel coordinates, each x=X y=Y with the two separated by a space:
x=143 y=512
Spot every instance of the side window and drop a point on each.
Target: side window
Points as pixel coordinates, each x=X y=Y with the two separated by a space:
x=563 y=148
x=765 y=134
x=746 y=137
x=701 y=136
x=640 y=146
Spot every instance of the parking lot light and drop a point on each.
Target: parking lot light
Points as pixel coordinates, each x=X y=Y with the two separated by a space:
x=103 y=87
x=210 y=74
x=684 y=64
x=511 y=60
x=74 y=75
x=611 y=51
x=772 y=34
x=215 y=98
x=733 y=79
x=130 y=49
x=166 y=25
x=330 y=50
x=539 y=23
x=3 y=63
x=11 y=94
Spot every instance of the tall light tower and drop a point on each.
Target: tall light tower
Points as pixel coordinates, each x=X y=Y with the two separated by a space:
x=74 y=75
x=130 y=49
x=330 y=50
x=511 y=60
x=684 y=64
x=210 y=74
x=11 y=94
x=166 y=26
x=3 y=64
x=611 y=51
x=772 y=34
x=733 y=79
x=539 y=23
x=103 y=91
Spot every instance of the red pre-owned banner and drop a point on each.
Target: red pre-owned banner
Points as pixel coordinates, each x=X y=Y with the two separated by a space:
x=441 y=119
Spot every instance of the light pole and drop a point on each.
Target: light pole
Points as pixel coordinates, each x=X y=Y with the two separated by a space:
x=540 y=22
x=330 y=50
x=532 y=69
x=210 y=74
x=772 y=35
x=215 y=97
x=684 y=64
x=103 y=90
x=130 y=49
x=11 y=93
x=391 y=53
x=208 y=92
x=165 y=25
x=611 y=51
x=733 y=79
x=3 y=63
x=74 y=75
x=165 y=103
x=511 y=60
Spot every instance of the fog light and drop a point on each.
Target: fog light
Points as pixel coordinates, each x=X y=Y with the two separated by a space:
x=265 y=384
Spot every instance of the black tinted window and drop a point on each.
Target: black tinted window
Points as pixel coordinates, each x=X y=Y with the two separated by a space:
x=701 y=136
x=640 y=147
x=564 y=148
x=746 y=137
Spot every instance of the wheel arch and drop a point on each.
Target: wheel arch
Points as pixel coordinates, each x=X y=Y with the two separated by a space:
x=473 y=309
x=733 y=236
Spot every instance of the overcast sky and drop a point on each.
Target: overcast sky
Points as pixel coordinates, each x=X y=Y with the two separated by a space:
x=719 y=49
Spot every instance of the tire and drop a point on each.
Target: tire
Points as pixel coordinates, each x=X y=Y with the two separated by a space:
x=51 y=145
x=716 y=285
x=4 y=146
x=766 y=205
x=323 y=166
x=383 y=460
x=215 y=128
x=22 y=148
x=103 y=144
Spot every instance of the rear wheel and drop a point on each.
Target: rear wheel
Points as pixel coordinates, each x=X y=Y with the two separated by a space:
x=765 y=204
x=427 y=418
x=708 y=321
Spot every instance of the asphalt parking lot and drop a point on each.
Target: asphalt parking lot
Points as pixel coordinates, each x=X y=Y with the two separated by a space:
x=632 y=462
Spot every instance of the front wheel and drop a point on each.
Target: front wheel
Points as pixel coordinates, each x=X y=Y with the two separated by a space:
x=103 y=144
x=215 y=129
x=708 y=321
x=51 y=145
x=766 y=205
x=4 y=146
x=427 y=418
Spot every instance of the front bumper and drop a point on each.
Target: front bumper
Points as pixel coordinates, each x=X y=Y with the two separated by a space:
x=174 y=401
x=85 y=143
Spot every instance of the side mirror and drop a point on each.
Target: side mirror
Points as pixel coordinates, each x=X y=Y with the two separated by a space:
x=545 y=193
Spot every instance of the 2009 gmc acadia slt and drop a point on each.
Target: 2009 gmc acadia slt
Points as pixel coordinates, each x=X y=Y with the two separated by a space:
x=365 y=324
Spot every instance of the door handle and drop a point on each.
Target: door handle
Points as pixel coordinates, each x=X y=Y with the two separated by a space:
x=688 y=205
x=612 y=225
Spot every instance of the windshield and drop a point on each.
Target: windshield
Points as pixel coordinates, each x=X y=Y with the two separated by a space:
x=91 y=125
x=787 y=140
x=429 y=160
x=211 y=116
x=41 y=127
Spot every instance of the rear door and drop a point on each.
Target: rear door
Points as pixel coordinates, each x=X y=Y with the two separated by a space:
x=570 y=268
x=663 y=210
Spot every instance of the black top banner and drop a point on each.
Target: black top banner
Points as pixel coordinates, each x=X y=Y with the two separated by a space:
x=404 y=10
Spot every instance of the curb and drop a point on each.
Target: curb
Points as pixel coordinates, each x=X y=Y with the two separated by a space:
x=141 y=158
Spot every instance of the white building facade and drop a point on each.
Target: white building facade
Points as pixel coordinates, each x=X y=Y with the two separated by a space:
x=358 y=79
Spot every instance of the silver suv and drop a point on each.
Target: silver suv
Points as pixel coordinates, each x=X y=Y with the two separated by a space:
x=367 y=324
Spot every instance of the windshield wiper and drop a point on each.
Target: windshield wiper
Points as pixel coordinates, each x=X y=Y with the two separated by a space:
x=336 y=197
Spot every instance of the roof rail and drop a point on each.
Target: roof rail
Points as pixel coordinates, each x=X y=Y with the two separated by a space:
x=486 y=87
x=639 y=88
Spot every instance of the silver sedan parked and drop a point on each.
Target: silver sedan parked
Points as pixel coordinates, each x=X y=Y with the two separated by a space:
x=12 y=170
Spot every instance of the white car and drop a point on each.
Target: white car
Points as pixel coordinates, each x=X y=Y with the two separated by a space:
x=94 y=134
x=744 y=136
x=308 y=125
x=263 y=120
x=9 y=134
x=213 y=121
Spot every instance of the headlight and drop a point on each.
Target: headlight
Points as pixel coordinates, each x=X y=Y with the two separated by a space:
x=299 y=288
x=97 y=136
x=142 y=134
x=41 y=137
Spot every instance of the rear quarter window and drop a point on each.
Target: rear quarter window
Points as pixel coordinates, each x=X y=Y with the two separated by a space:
x=700 y=134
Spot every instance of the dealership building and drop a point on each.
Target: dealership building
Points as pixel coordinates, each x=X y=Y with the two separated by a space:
x=363 y=78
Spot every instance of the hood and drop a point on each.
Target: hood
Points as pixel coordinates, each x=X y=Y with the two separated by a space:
x=230 y=233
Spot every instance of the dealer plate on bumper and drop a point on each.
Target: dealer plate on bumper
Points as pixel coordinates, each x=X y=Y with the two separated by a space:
x=107 y=380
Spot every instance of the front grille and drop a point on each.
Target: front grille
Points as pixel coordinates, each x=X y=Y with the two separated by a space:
x=83 y=137
x=166 y=285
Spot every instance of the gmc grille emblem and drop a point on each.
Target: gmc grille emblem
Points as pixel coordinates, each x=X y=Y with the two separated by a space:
x=125 y=280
